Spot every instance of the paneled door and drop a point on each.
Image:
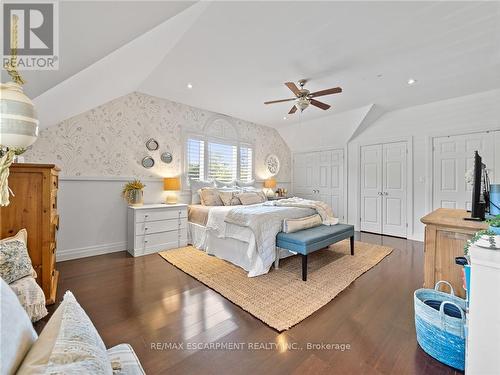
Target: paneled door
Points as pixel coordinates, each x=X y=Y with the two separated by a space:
x=319 y=176
x=371 y=188
x=383 y=188
x=452 y=157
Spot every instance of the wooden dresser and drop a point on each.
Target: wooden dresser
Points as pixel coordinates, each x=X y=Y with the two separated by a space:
x=34 y=207
x=446 y=232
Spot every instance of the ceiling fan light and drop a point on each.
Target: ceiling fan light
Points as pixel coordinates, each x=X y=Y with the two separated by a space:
x=302 y=103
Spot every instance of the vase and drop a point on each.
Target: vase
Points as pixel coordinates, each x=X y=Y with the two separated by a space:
x=136 y=197
x=495 y=230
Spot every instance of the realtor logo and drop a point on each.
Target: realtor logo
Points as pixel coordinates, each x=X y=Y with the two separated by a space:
x=36 y=34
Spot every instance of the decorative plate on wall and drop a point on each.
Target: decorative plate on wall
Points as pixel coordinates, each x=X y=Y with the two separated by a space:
x=273 y=164
x=166 y=157
x=148 y=162
x=152 y=144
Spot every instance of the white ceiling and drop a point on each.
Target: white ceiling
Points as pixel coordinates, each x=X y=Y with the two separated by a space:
x=90 y=30
x=238 y=54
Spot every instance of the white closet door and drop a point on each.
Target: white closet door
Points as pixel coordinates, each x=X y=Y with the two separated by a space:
x=371 y=188
x=330 y=180
x=394 y=189
x=452 y=157
x=304 y=184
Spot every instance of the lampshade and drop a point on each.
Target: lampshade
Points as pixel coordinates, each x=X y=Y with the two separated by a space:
x=270 y=183
x=18 y=121
x=172 y=183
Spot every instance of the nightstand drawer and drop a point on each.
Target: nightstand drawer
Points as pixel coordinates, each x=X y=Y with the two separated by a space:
x=159 y=214
x=163 y=238
x=159 y=226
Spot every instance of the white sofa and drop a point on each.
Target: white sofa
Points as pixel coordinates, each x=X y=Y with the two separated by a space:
x=68 y=344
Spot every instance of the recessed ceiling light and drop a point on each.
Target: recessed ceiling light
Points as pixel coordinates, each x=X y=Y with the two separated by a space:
x=412 y=81
x=284 y=118
x=189 y=86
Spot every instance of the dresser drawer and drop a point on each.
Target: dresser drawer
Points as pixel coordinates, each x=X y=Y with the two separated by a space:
x=159 y=226
x=154 y=215
x=158 y=239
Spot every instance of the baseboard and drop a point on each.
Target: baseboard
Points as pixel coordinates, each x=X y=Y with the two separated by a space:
x=88 y=251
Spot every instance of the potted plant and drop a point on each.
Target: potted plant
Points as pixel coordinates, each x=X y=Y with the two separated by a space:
x=133 y=193
x=495 y=225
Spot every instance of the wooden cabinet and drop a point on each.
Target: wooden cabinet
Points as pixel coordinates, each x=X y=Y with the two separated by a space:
x=446 y=232
x=34 y=207
x=156 y=227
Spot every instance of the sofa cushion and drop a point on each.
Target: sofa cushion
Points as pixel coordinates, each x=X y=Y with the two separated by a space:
x=78 y=348
x=16 y=334
x=124 y=360
x=37 y=358
x=31 y=297
x=15 y=262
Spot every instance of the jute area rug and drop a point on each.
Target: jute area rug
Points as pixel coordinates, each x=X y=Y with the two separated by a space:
x=280 y=298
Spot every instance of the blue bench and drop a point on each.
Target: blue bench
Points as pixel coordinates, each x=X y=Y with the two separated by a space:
x=309 y=240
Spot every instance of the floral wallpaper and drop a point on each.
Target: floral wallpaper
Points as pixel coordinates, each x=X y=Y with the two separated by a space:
x=110 y=140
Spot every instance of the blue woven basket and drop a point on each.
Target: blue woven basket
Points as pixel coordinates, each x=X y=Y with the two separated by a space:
x=439 y=335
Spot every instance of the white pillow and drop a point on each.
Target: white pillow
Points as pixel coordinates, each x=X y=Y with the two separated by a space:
x=196 y=186
x=294 y=225
x=78 y=348
x=223 y=184
x=16 y=334
x=245 y=184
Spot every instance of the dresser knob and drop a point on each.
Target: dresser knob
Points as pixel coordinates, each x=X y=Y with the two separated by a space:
x=146 y=228
x=145 y=241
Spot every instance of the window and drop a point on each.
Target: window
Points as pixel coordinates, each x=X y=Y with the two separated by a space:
x=207 y=160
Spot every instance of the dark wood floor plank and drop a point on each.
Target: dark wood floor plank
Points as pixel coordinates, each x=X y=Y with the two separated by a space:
x=145 y=301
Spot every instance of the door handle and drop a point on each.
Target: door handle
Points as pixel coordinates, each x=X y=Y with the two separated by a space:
x=386 y=193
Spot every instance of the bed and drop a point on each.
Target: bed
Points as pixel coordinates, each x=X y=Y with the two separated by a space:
x=242 y=235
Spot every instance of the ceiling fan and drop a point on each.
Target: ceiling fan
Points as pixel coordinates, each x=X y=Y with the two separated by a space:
x=303 y=97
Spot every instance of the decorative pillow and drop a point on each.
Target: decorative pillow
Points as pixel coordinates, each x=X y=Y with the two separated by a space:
x=15 y=262
x=31 y=297
x=37 y=358
x=210 y=197
x=223 y=184
x=245 y=184
x=229 y=198
x=251 y=197
x=196 y=185
x=294 y=225
x=16 y=334
x=78 y=348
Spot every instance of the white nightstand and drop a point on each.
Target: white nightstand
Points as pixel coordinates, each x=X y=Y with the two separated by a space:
x=156 y=227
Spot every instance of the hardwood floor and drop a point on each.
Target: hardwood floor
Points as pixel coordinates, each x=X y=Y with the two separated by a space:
x=149 y=303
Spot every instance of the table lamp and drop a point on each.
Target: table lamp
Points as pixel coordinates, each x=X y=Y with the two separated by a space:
x=269 y=185
x=171 y=184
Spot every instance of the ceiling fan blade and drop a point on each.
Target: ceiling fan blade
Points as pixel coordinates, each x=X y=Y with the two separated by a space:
x=319 y=104
x=292 y=86
x=280 y=101
x=293 y=110
x=334 y=90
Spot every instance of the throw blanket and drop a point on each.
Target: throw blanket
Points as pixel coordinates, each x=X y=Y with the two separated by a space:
x=265 y=222
x=324 y=210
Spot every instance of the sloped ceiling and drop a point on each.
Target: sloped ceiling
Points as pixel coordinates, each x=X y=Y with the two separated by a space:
x=238 y=54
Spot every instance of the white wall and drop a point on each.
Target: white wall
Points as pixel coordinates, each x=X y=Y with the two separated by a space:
x=478 y=112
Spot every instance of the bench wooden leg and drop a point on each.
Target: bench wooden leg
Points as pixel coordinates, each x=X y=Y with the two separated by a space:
x=304 y=267
x=352 y=245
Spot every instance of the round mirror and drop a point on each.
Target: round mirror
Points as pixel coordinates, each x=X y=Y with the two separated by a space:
x=148 y=162
x=166 y=157
x=152 y=144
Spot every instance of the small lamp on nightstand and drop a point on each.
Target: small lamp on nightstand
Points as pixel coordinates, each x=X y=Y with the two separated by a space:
x=171 y=184
x=269 y=185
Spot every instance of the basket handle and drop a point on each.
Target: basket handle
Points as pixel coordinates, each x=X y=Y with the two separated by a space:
x=436 y=287
x=442 y=315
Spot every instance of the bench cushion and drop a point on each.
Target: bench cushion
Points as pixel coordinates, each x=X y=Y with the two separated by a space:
x=308 y=240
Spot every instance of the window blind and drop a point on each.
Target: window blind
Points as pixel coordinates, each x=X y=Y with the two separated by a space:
x=246 y=167
x=195 y=159
x=222 y=161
